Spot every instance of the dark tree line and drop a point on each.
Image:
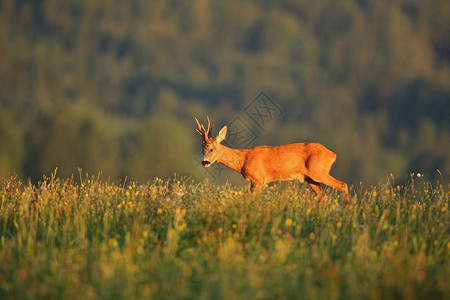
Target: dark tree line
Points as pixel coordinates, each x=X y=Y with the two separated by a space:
x=114 y=86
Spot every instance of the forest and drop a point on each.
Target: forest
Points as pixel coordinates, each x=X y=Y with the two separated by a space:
x=112 y=87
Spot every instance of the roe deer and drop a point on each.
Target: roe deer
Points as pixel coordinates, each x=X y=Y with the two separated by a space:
x=260 y=165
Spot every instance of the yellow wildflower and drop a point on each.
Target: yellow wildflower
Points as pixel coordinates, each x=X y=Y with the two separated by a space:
x=113 y=243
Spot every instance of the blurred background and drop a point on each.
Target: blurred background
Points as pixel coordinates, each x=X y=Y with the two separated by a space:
x=114 y=86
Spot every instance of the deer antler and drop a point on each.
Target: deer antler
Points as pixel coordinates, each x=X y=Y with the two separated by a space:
x=201 y=129
x=209 y=127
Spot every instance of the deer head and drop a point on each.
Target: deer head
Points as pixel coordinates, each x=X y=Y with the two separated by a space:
x=211 y=147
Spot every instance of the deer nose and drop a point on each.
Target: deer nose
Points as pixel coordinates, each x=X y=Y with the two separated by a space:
x=205 y=162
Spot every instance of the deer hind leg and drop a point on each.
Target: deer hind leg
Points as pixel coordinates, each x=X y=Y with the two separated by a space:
x=315 y=186
x=319 y=167
x=327 y=179
x=256 y=187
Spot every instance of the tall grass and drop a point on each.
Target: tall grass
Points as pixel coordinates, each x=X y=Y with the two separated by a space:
x=175 y=239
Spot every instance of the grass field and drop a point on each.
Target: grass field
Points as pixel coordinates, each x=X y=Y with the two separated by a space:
x=172 y=239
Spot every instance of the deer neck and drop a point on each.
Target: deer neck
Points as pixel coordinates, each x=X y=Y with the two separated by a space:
x=232 y=158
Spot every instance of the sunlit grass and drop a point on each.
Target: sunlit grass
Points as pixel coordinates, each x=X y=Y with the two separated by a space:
x=176 y=239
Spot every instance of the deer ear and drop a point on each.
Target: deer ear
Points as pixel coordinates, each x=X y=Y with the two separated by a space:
x=222 y=134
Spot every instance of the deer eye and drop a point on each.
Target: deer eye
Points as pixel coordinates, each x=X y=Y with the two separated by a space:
x=211 y=150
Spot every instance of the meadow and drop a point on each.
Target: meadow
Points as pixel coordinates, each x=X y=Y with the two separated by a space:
x=90 y=238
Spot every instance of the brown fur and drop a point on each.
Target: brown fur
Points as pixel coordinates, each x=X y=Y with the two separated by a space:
x=310 y=162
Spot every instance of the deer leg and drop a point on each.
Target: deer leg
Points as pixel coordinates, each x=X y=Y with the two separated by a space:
x=327 y=179
x=315 y=186
x=256 y=187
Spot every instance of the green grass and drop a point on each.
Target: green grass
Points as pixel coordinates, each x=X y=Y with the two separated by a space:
x=171 y=239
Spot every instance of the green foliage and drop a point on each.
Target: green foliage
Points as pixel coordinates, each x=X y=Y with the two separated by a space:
x=175 y=239
x=11 y=146
x=160 y=147
x=367 y=78
x=70 y=137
